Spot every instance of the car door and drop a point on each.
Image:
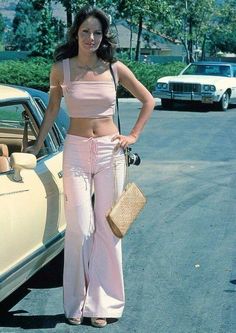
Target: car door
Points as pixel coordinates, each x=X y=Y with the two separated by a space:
x=56 y=139
x=32 y=216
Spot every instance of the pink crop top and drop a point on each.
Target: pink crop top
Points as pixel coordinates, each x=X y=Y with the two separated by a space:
x=89 y=99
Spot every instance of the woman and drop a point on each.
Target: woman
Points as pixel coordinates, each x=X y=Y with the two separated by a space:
x=93 y=160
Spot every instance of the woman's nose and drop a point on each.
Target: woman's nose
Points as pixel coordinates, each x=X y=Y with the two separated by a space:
x=91 y=36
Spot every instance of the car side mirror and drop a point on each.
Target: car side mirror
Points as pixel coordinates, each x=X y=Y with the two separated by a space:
x=19 y=161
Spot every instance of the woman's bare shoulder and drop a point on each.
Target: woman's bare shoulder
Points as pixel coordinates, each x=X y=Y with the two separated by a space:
x=57 y=66
x=56 y=74
x=120 y=64
x=123 y=70
x=57 y=71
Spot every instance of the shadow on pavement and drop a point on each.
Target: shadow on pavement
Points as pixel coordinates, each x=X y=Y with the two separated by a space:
x=18 y=319
x=192 y=107
x=50 y=276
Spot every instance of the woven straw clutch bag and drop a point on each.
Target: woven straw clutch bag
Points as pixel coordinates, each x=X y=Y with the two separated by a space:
x=126 y=209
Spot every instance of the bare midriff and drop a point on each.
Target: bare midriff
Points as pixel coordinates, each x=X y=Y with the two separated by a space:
x=92 y=127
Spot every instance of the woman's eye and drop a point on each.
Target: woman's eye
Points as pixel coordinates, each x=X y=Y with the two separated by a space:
x=86 y=31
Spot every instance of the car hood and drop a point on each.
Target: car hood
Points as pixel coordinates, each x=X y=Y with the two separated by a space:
x=202 y=79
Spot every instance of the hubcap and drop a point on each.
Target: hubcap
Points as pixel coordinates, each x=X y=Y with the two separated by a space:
x=225 y=101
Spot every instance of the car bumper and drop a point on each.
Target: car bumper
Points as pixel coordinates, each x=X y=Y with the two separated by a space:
x=204 y=98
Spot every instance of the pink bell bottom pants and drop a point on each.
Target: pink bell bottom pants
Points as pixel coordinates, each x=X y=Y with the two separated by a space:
x=93 y=277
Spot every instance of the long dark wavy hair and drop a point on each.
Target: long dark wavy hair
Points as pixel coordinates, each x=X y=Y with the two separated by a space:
x=70 y=48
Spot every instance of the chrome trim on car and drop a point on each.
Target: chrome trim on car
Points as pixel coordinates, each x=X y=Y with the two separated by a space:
x=14 y=192
x=198 y=97
x=34 y=255
x=182 y=87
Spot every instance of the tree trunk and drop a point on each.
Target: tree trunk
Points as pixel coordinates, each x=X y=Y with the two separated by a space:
x=130 y=40
x=185 y=44
x=191 y=58
x=203 y=57
x=140 y=27
x=68 y=14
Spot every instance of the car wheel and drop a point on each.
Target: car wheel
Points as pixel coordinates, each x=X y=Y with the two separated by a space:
x=223 y=104
x=166 y=103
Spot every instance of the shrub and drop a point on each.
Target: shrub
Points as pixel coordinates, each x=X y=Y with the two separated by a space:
x=34 y=73
x=149 y=73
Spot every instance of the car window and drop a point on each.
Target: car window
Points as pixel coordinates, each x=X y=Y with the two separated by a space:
x=12 y=126
x=204 y=69
x=234 y=71
x=18 y=128
x=224 y=71
x=11 y=115
x=40 y=104
x=57 y=135
x=191 y=70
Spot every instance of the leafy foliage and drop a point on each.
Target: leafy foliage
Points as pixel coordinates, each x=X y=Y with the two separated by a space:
x=24 y=26
x=222 y=35
x=188 y=21
x=138 y=15
x=46 y=37
x=149 y=73
x=2 y=26
x=198 y=24
x=34 y=73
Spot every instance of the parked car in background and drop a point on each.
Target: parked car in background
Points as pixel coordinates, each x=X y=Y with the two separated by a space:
x=31 y=191
x=205 y=82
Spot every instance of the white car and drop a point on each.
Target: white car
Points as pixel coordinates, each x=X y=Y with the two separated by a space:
x=205 y=82
x=31 y=191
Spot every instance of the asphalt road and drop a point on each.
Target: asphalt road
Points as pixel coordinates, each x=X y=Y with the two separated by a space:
x=180 y=256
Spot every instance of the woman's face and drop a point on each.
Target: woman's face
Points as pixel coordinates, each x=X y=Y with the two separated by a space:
x=90 y=35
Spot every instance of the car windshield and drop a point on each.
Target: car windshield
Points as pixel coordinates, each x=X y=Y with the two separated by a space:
x=203 y=69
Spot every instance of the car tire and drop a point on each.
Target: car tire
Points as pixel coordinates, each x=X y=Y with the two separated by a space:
x=166 y=103
x=223 y=104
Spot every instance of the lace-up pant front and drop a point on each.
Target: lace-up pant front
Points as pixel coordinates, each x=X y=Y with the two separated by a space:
x=93 y=277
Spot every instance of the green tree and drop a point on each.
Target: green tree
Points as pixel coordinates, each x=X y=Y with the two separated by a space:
x=25 y=25
x=46 y=32
x=2 y=28
x=222 y=36
x=70 y=7
x=139 y=14
x=188 y=21
x=35 y=29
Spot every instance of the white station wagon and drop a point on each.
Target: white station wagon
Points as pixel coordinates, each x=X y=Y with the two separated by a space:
x=205 y=82
x=32 y=219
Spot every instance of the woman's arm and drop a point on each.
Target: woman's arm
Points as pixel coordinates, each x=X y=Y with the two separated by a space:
x=51 y=112
x=128 y=80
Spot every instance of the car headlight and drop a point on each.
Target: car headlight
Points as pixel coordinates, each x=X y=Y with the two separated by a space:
x=209 y=87
x=161 y=85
